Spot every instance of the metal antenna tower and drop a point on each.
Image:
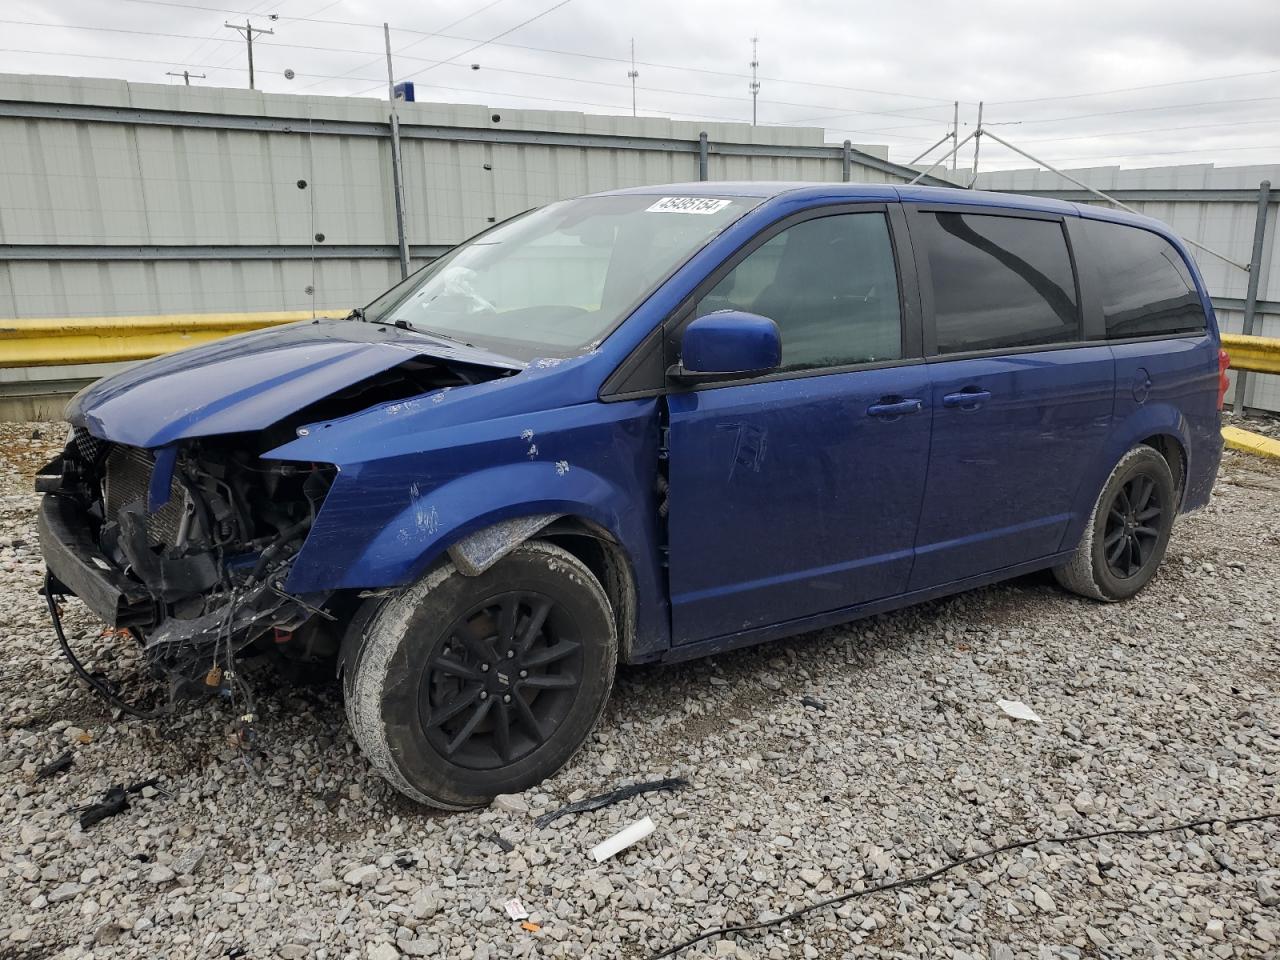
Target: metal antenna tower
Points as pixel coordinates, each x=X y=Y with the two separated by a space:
x=247 y=31
x=633 y=73
x=186 y=76
x=755 y=84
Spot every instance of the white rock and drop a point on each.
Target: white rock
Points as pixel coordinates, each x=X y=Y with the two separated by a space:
x=510 y=803
x=362 y=876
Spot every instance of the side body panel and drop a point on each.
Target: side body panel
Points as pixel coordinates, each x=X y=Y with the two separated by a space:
x=1003 y=474
x=788 y=499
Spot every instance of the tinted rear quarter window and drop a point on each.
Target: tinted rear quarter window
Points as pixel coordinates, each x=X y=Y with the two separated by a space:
x=1143 y=282
x=999 y=281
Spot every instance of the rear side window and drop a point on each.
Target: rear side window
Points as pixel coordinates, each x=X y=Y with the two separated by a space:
x=830 y=285
x=999 y=281
x=1145 y=286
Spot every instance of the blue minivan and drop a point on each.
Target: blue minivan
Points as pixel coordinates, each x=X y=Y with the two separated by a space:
x=640 y=426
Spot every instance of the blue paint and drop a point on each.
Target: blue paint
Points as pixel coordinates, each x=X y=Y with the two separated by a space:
x=795 y=499
x=731 y=341
x=161 y=485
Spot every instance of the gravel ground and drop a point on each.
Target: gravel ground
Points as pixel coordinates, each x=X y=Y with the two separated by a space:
x=1154 y=711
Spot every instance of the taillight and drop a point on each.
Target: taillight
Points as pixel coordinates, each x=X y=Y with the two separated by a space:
x=1224 y=361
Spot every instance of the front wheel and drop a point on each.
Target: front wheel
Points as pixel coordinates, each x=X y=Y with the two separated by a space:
x=467 y=687
x=1128 y=532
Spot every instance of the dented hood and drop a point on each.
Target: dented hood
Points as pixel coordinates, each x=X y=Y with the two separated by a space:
x=250 y=381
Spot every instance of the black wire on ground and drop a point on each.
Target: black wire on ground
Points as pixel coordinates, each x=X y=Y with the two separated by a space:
x=94 y=684
x=947 y=867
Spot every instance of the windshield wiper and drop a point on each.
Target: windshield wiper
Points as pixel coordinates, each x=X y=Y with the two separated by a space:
x=434 y=335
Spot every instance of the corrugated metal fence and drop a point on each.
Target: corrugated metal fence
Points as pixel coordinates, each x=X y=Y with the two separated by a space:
x=120 y=199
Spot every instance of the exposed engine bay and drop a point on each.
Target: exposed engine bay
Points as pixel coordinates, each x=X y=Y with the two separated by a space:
x=203 y=536
x=188 y=547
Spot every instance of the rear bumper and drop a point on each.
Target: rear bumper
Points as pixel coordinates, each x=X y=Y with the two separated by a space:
x=79 y=566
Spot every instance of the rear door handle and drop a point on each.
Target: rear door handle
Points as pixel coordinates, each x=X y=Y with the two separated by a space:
x=966 y=398
x=888 y=407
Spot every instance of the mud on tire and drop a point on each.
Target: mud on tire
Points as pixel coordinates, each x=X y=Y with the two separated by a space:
x=467 y=687
x=1128 y=531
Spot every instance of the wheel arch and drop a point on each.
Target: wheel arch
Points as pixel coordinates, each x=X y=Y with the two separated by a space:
x=1174 y=452
x=1158 y=425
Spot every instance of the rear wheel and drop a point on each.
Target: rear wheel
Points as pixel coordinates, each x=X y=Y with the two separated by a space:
x=467 y=687
x=1128 y=532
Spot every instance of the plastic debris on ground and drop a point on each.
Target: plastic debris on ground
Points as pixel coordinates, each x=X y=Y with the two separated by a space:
x=115 y=800
x=815 y=703
x=1019 y=710
x=515 y=909
x=503 y=844
x=60 y=765
x=623 y=839
x=613 y=796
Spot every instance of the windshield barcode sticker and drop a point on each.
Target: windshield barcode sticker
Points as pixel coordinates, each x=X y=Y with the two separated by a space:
x=688 y=205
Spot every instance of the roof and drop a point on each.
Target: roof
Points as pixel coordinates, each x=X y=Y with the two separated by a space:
x=794 y=190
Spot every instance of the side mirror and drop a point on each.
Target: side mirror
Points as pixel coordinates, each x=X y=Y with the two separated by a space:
x=727 y=345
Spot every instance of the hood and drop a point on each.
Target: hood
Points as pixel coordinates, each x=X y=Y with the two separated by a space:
x=251 y=381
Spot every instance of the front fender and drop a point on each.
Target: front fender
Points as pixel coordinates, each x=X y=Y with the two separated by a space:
x=434 y=519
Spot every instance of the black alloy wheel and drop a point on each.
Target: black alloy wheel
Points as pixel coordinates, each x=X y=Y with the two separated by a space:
x=501 y=680
x=460 y=688
x=1133 y=528
x=1127 y=534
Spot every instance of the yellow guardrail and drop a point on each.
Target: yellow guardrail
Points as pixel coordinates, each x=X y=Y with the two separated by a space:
x=1256 y=354
x=74 y=340
x=1250 y=442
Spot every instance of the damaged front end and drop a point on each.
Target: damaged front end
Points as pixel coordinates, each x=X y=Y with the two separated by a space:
x=187 y=547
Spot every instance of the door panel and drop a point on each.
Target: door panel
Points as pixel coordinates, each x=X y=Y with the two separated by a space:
x=1005 y=468
x=788 y=498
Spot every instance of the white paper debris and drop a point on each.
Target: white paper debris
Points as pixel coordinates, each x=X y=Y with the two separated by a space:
x=625 y=838
x=516 y=910
x=1019 y=710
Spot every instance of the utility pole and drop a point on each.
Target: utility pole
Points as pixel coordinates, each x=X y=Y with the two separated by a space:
x=186 y=76
x=247 y=31
x=755 y=83
x=633 y=73
x=955 y=135
x=397 y=165
x=977 y=145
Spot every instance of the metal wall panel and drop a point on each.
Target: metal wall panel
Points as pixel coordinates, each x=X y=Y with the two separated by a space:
x=110 y=163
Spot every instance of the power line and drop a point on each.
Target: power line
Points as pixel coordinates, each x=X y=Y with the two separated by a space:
x=1163 y=153
x=1134 y=133
x=1146 y=86
x=546 y=50
x=400 y=52
x=462 y=53
x=564 y=53
x=1116 y=113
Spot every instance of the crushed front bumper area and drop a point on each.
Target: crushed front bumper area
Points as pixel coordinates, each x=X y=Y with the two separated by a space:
x=196 y=577
x=79 y=567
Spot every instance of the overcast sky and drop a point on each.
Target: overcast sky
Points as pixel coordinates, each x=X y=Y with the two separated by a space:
x=1089 y=83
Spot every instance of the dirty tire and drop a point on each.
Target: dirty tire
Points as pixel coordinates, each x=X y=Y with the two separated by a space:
x=1092 y=571
x=432 y=688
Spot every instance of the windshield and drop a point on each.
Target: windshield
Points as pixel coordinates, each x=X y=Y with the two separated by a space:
x=557 y=280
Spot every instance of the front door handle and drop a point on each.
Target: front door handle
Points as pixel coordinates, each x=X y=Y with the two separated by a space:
x=890 y=407
x=967 y=399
